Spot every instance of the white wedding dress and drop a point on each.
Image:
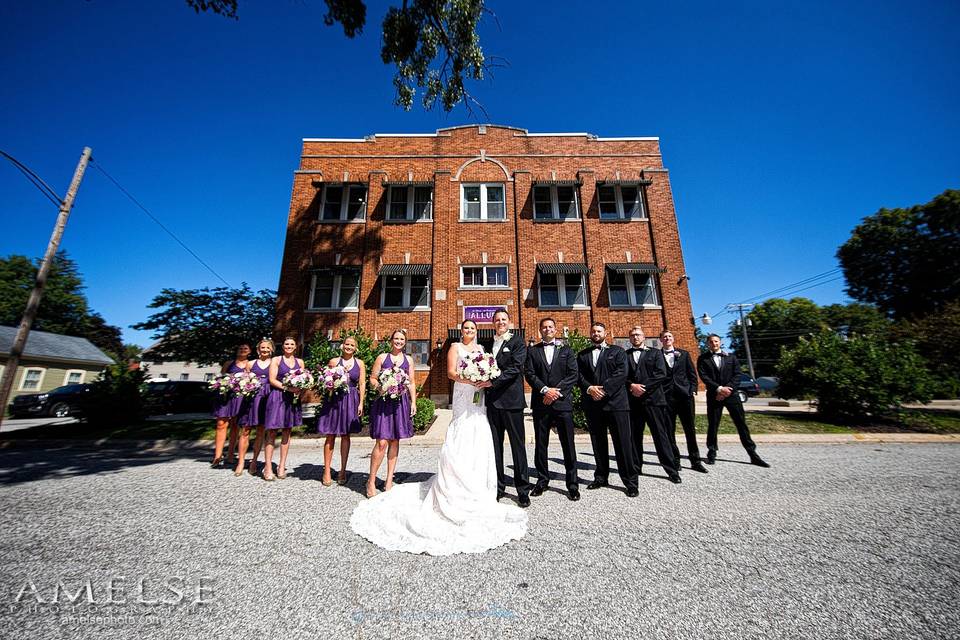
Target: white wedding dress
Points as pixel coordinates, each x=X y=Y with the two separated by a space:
x=455 y=511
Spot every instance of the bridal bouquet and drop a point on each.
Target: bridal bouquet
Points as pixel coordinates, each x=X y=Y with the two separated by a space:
x=222 y=384
x=298 y=379
x=333 y=380
x=246 y=384
x=393 y=382
x=478 y=367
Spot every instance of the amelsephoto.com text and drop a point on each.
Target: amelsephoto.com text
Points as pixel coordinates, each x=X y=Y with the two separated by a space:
x=112 y=596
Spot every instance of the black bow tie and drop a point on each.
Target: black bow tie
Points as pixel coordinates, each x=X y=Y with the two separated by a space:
x=598 y=347
x=717 y=354
x=670 y=351
x=549 y=344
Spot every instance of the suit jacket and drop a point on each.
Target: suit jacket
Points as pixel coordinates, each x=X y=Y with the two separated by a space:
x=506 y=391
x=650 y=371
x=561 y=373
x=611 y=374
x=683 y=374
x=725 y=376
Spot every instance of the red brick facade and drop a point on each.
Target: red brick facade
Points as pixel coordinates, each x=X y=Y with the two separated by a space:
x=494 y=155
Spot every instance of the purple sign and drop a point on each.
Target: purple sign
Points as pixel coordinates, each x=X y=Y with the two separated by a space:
x=480 y=315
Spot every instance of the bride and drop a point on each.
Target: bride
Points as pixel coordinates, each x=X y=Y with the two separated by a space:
x=455 y=511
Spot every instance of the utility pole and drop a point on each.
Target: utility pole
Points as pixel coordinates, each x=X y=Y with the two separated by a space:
x=30 y=313
x=746 y=338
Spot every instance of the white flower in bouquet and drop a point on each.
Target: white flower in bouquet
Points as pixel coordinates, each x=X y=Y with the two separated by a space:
x=298 y=379
x=246 y=384
x=478 y=367
x=333 y=380
x=393 y=382
x=222 y=384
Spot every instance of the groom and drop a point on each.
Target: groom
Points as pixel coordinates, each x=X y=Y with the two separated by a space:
x=505 y=405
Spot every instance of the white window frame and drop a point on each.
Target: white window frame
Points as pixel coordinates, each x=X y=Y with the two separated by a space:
x=632 y=292
x=618 y=194
x=23 y=379
x=406 y=295
x=483 y=201
x=562 y=292
x=555 y=203
x=66 y=376
x=337 y=282
x=344 y=202
x=411 y=204
x=485 y=284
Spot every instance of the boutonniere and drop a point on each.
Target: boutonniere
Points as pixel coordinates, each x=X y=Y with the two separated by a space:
x=507 y=337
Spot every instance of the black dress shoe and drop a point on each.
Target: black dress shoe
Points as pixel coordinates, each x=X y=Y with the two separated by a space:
x=596 y=484
x=632 y=492
x=500 y=494
x=697 y=466
x=573 y=494
x=675 y=479
x=758 y=461
x=523 y=500
x=711 y=457
x=538 y=490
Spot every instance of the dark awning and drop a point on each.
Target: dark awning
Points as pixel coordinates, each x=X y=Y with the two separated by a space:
x=483 y=335
x=336 y=269
x=408 y=183
x=557 y=183
x=624 y=181
x=634 y=267
x=562 y=267
x=404 y=270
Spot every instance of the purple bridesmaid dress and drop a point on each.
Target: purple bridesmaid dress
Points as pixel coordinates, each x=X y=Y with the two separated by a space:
x=257 y=405
x=229 y=406
x=390 y=419
x=338 y=416
x=282 y=412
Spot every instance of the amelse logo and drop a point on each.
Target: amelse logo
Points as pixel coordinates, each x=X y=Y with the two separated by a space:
x=173 y=590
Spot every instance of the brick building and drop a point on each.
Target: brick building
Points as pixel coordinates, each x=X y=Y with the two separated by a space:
x=418 y=231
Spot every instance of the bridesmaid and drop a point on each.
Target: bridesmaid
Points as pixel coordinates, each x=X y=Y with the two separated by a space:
x=390 y=420
x=253 y=418
x=227 y=408
x=340 y=416
x=283 y=408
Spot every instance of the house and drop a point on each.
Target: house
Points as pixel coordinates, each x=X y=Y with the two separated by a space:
x=51 y=360
x=160 y=369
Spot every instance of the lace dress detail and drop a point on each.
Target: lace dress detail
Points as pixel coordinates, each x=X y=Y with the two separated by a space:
x=455 y=511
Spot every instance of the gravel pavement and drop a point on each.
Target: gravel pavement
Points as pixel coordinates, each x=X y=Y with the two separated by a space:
x=833 y=541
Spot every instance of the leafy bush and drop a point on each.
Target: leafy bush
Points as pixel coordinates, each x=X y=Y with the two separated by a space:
x=578 y=342
x=115 y=397
x=425 y=410
x=853 y=378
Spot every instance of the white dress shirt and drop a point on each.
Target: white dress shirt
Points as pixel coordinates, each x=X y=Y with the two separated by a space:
x=671 y=357
x=497 y=345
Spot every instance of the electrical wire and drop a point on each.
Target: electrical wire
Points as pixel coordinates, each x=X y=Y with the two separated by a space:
x=36 y=180
x=159 y=224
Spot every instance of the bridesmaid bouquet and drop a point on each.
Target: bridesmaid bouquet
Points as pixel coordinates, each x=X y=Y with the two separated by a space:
x=393 y=382
x=298 y=379
x=246 y=384
x=333 y=380
x=478 y=367
x=222 y=384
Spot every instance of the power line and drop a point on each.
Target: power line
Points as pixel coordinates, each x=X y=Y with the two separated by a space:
x=159 y=224
x=791 y=289
x=37 y=181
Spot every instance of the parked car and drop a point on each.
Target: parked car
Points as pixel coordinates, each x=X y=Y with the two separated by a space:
x=747 y=388
x=177 y=396
x=59 y=403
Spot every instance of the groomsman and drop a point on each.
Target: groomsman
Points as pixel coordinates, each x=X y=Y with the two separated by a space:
x=602 y=370
x=646 y=377
x=505 y=405
x=551 y=371
x=720 y=373
x=680 y=389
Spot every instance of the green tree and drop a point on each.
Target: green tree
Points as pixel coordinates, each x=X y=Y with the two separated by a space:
x=856 y=318
x=115 y=398
x=433 y=44
x=853 y=378
x=205 y=325
x=906 y=261
x=578 y=342
x=775 y=324
x=938 y=340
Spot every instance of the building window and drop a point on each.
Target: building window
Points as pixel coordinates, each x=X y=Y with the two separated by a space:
x=419 y=350
x=208 y=377
x=631 y=289
x=162 y=376
x=405 y=292
x=482 y=202
x=484 y=277
x=562 y=290
x=32 y=379
x=73 y=376
x=340 y=291
x=343 y=202
x=184 y=376
x=555 y=202
x=410 y=203
x=621 y=202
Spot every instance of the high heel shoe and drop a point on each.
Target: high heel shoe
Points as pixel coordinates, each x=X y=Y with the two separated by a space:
x=370 y=495
x=326 y=483
x=282 y=476
x=342 y=478
x=217 y=463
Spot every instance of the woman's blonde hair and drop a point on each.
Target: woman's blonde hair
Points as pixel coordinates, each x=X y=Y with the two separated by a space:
x=273 y=347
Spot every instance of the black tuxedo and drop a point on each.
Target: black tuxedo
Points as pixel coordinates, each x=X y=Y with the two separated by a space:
x=650 y=369
x=560 y=373
x=505 y=404
x=727 y=375
x=611 y=412
x=679 y=390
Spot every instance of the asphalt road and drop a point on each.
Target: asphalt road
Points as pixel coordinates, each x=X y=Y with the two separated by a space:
x=842 y=541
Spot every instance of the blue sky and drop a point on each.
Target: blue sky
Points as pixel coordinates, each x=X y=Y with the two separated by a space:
x=782 y=126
